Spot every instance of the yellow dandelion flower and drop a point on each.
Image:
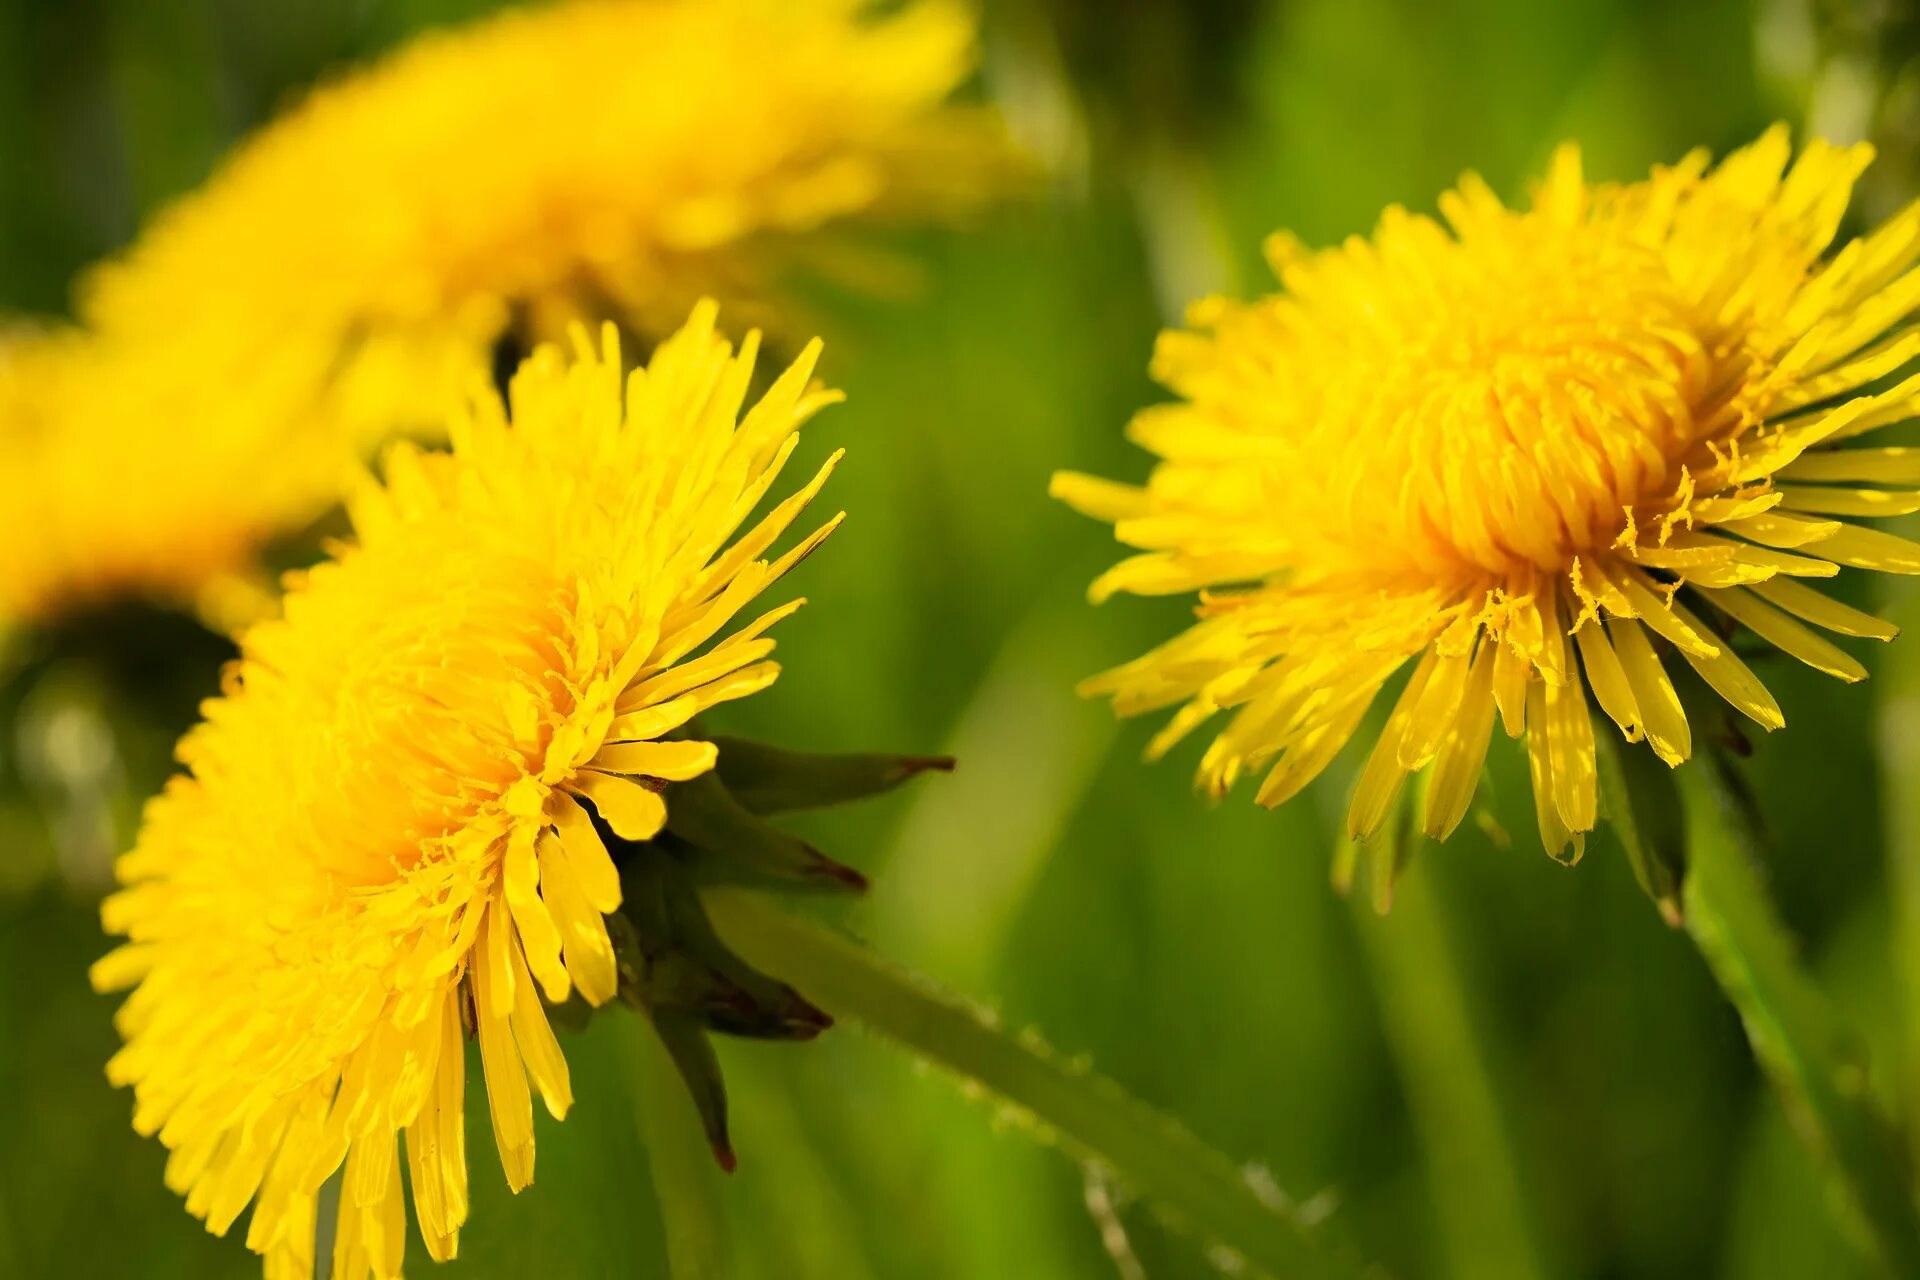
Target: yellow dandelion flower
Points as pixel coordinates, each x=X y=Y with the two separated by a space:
x=597 y=155
x=1535 y=453
x=105 y=497
x=350 y=268
x=386 y=839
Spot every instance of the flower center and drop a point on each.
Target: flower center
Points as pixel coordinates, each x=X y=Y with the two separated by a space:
x=1466 y=410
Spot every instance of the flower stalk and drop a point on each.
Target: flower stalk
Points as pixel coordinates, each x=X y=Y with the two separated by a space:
x=1092 y=1118
x=1794 y=1035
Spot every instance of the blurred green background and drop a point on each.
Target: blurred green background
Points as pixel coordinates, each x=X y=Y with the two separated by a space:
x=1519 y=1072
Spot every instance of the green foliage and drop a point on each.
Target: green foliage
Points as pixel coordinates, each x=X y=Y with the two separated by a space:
x=1196 y=956
x=1823 y=1081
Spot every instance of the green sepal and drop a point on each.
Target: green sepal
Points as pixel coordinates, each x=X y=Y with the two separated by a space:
x=1639 y=799
x=769 y=779
x=672 y=966
x=682 y=966
x=699 y=1067
x=737 y=846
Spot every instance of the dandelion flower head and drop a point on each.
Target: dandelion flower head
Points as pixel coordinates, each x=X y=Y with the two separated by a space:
x=607 y=157
x=1540 y=455
x=349 y=269
x=106 y=493
x=386 y=836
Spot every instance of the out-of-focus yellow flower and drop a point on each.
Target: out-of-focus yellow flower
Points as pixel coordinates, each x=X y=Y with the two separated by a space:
x=107 y=493
x=599 y=156
x=1531 y=454
x=387 y=837
x=350 y=268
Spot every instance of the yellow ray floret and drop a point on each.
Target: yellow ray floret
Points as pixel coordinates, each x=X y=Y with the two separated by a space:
x=351 y=267
x=1536 y=454
x=386 y=837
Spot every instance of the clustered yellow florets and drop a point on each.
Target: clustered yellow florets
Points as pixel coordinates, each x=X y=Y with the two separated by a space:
x=350 y=269
x=1522 y=448
x=127 y=478
x=387 y=831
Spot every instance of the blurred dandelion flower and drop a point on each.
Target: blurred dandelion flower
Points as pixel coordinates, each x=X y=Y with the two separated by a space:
x=388 y=836
x=350 y=268
x=1532 y=454
x=610 y=157
x=107 y=494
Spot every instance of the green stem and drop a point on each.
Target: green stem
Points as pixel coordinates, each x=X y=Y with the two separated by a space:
x=1794 y=1037
x=1429 y=1026
x=1089 y=1116
x=1899 y=740
x=685 y=1180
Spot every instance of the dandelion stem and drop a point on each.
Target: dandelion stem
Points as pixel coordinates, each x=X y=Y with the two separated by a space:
x=1793 y=1033
x=1091 y=1117
x=1899 y=738
x=685 y=1181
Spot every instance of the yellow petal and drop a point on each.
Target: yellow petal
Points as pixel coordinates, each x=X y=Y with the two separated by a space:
x=772 y=526
x=1106 y=500
x=508 y=1099
x=650 y=722
x=436 y=1144
x=676 y=761
x=1432 y=718
x=589 y=865
x=1872 y=549
x=586 y=947
x=1511 y=674
x=1309 y=754
x=1608 y=681
x=1824 y=611
x=1653 y=693
x=1733 y=680
x=1569 y=733
x=1650 y=608
x=1555 y=836
x=533 y=1034
x=1781 y=529
x=1456 y=769
x=674 y=681
x=539 y=938
x=633 y=811
x=1876 y=361
x=1383 y=774
x=1896 y=466
x=1825 y=500
x=1775 y=627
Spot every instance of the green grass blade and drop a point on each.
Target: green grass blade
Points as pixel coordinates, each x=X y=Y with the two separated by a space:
x=1792 y=1031
x=1899 y=737
x=1195 y=1186
x=1443 y=1066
